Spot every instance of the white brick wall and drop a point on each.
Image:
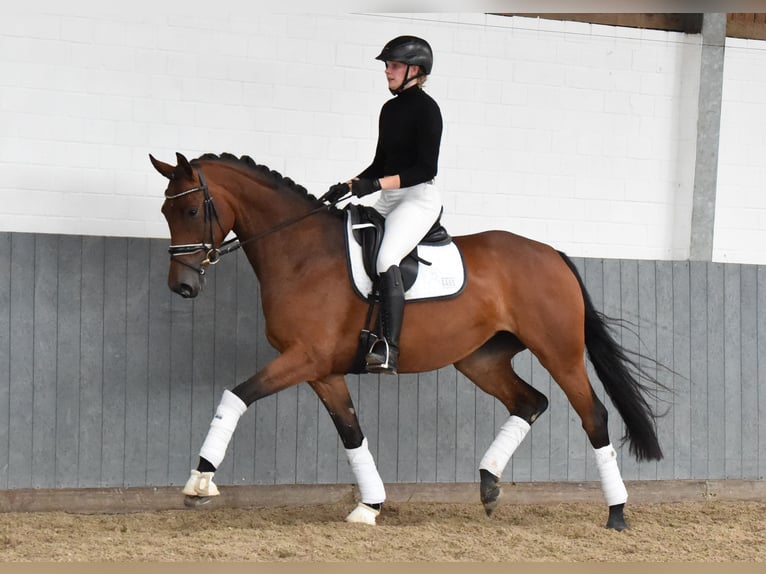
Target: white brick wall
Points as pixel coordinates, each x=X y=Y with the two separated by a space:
x=740 y=225
x=578 y=135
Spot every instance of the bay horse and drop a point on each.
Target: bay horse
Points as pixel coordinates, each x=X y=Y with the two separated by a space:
x=519 y=294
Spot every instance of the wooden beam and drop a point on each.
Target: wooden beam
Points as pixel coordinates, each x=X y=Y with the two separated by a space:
x=688 y=23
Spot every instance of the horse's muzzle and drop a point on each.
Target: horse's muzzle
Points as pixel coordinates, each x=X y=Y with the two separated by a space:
x=187 y=285
x=185 y=290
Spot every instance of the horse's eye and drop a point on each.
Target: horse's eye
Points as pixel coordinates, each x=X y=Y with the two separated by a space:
x=193 y=212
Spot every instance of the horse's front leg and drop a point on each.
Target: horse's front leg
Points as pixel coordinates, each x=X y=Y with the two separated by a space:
x=334 y=394
x=290 y=368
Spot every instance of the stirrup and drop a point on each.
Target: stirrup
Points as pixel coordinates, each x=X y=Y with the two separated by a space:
x=386 y=363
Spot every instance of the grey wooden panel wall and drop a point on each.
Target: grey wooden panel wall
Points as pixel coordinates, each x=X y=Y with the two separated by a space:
x=108 y=379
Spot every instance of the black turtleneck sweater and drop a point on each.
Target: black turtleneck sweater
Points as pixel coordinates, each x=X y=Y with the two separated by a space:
x=409 y=135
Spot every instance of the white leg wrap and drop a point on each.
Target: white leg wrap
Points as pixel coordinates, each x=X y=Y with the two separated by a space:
x=222 y=427
x=505 y=444
x=366 y=474
x=611 y=480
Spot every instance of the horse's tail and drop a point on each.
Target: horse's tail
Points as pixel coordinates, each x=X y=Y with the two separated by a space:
x=620 y=376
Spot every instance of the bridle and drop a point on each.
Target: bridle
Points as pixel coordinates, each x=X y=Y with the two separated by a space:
x=213 y=254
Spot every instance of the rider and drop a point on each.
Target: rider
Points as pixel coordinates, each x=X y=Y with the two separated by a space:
x=403 y=170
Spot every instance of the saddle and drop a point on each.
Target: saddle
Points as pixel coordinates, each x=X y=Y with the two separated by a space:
x=368 y=227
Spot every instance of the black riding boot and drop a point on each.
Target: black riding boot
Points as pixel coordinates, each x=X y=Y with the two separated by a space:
x=384 y=354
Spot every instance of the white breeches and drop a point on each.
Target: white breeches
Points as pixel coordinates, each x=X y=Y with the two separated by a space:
x=410 y=212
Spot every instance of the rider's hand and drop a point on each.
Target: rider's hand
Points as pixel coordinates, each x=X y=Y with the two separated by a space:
x=335 y=192
x=362 y=187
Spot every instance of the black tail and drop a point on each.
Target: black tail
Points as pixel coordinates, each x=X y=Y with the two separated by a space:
x=620 y=376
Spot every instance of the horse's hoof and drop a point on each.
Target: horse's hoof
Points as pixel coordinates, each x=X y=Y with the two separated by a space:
x=196 y=501
x=363 y=514
x=490 y=491
x=616 y=519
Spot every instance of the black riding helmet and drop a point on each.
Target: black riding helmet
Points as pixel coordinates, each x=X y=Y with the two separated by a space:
x=409 y=50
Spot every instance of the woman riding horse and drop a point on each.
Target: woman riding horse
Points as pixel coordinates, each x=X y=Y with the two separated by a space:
x=403 y=170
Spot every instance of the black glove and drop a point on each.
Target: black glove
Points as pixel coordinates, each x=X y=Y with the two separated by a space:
x=335 y=192
x=362 y=187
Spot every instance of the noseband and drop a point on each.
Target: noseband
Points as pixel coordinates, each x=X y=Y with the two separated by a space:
x=213 y=253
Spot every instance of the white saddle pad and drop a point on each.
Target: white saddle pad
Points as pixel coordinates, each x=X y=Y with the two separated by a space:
x=445 y=277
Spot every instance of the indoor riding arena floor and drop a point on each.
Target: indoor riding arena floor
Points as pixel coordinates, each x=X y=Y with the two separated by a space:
x=709 y=530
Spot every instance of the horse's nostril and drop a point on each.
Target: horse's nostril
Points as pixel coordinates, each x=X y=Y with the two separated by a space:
x=186 y=291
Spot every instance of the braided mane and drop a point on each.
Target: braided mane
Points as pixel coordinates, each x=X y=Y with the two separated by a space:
x=269 y=175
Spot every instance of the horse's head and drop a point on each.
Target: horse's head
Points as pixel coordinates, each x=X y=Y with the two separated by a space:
x=197 y=225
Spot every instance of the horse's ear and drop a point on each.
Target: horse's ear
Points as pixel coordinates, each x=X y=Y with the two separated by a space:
x=183 y=164
x=164 y=168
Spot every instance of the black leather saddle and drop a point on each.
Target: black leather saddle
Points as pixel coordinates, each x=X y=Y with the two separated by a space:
x=368 y=227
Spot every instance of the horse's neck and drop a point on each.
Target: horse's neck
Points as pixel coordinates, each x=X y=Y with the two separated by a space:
x=283 y=237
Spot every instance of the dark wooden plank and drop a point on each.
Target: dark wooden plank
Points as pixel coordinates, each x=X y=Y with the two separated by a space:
x=647 y=332
x=732 y=382
x=115 y=361
x=22 y=342
x=68 y=361
x=698 y=374
x=45 y=344
x=681 y=365
x=91 y=362
x=446 y=424
x=159 y=381
x=749 y=371
x=665 y=425
x=715 y=369
x=137 y=361
x=5 y=356
x=427 y=427
x=408 y=451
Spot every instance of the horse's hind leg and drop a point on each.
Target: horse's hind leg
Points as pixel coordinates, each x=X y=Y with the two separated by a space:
x=333 y=393
x=568 y=370
x=490 y=369
x=594 y=416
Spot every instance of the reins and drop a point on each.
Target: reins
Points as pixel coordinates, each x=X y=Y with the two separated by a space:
x=214 y=254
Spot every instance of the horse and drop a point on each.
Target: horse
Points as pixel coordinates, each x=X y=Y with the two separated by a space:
x=519 y=294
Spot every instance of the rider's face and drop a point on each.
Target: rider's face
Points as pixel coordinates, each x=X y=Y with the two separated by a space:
x=395 y=73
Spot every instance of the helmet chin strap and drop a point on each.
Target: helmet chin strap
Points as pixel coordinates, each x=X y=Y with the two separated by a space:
x=407 y=80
